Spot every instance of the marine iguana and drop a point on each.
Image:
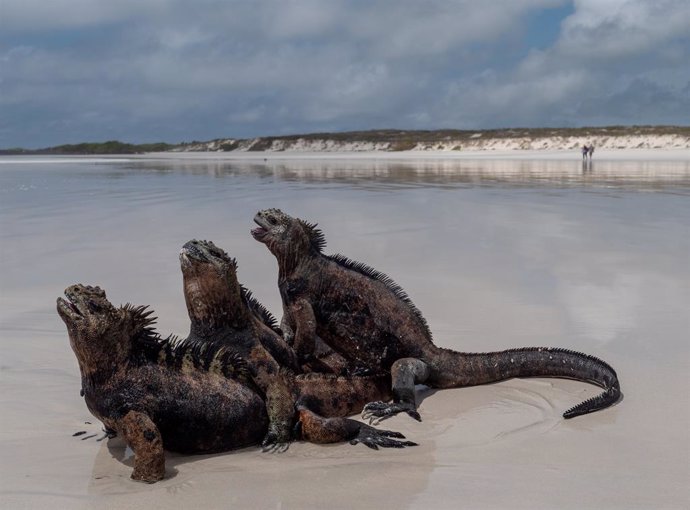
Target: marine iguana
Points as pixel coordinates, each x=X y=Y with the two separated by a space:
x=364 y=315
x=188 y=410
x=188 y=397
x=222 y=311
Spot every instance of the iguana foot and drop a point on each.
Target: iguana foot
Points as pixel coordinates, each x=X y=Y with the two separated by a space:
x=108 y=433
x=273 y=444
x=376 y=412
x=146 y=475
x=373 y=438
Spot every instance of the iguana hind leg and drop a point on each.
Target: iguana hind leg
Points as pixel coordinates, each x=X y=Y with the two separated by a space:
x=317 y=429
x=142 y=435
x=281 y=415
x=405 y=373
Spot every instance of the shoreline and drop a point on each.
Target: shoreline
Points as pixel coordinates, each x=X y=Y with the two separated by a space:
x=656 y=154
x=509 y=154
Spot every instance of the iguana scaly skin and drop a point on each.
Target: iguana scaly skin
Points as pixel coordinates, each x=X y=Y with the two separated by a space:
x=223 y=312
x=370 y=320
x=186 y=402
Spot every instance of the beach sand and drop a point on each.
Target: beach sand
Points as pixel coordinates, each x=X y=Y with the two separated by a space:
x=512 y=260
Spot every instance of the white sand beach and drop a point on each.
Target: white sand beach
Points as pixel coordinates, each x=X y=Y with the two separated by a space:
x=497 y=249
x=482 y=141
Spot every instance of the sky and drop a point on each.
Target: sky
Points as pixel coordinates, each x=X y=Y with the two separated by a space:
x=169 y=70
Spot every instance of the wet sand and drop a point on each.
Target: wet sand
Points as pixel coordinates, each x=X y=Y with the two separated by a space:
x=495 y=253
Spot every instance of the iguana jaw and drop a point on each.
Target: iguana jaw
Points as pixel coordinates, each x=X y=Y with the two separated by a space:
x=192 y=249
x=68 y=311
x=97 y=330
x=260 y=232
x=82 y=301
x=204 y=252
x=271 y=223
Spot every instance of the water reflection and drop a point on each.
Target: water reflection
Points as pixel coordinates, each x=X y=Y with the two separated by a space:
x=440 y=173
x=587 y=166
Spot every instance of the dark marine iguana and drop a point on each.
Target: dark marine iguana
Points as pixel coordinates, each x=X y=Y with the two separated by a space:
x=224 y=312
x=361 y=313
x=165 y=393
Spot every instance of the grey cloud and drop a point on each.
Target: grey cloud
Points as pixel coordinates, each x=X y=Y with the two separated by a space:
x=616 y=61
x=166 y=69
x=639 y=101
x=608 y=29
x=37 y=15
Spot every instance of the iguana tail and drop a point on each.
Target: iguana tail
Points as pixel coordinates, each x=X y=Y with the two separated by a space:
x=456 y=369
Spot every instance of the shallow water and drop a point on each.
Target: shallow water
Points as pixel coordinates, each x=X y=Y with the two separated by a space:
x=496 y=254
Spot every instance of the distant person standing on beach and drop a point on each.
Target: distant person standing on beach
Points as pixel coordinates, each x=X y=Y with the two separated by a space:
x=591 y=151
x=585 y=151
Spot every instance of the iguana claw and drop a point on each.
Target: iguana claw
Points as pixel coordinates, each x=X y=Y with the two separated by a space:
x=376 y=412
x=271 y=444
x=373 y=438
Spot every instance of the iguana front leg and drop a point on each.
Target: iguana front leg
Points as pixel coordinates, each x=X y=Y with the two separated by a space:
x=288 y=334
x=142 y=435
x=320 y=430
x=303 y=324
x=299 y=331
x=405 y=373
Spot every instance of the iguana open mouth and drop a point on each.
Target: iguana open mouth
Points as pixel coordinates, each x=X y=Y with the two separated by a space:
x=259 y=233
x=68 y=309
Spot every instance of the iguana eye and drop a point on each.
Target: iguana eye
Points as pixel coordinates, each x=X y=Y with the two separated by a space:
x=94 y=307
x=272 y=220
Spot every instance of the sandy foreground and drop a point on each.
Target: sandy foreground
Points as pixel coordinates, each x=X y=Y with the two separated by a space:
x=497 y=446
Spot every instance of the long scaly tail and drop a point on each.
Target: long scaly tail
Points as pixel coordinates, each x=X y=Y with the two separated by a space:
x=468 y=369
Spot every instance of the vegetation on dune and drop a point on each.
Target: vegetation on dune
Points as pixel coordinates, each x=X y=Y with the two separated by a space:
x=404 y=140
x=109 y=147
x=229 y=145
x=407 y=137
x=394 y=139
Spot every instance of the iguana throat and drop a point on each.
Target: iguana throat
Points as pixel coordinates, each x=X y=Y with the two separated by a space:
x=212 y=293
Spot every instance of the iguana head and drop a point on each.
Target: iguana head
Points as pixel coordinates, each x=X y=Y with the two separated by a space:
x=286 y=237
x=211 y=290
x=101 y=335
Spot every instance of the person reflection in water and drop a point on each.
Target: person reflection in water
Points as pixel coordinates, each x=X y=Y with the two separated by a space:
x=587 y=159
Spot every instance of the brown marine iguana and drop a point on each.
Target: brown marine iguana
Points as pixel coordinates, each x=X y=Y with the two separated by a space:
x=183 y=396
x=149 y=404
x=364 y=315
x=224 y=312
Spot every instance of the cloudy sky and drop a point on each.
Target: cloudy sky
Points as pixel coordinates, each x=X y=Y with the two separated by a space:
x=173 y=70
